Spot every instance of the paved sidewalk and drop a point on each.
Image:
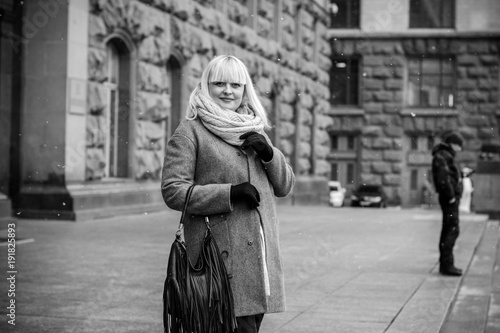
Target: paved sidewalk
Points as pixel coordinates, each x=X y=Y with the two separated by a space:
x=476 y=308
x=347 y=270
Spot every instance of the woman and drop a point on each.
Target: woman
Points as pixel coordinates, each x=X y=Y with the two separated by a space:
x=222 y=149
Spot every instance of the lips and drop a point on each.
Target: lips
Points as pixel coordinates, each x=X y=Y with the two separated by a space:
x=226 y=99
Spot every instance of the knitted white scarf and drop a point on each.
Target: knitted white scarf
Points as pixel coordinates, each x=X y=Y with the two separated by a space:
x=226 y=124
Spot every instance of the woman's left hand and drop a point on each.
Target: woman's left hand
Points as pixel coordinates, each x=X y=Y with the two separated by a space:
x=259 y=143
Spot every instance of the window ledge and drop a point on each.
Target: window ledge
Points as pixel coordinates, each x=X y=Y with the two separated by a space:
x=409 y=33
x=341 y=155
x=110 y=185
x=429 y=112
x=346 y=111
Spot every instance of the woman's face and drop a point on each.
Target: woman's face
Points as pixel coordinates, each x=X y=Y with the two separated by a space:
x=226 y=94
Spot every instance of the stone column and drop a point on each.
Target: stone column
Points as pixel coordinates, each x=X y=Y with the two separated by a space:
x=77 y=75
x=53 y=105
x=10 y=44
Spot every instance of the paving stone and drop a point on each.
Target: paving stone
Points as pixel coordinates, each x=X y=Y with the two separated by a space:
x=427 y=308
x=492 y=326
x=321 y=323
x=469 y=315
x=494 y=310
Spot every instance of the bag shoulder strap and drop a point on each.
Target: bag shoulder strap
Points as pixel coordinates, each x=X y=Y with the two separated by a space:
x=180 y=230
x=186 y=202
x=184 y=209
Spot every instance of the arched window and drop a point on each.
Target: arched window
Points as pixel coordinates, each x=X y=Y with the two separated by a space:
x=118 y=109
x=274 y=115
x=298 y=28
x=174 y=70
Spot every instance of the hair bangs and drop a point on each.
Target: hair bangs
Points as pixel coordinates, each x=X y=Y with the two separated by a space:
x=228 y=70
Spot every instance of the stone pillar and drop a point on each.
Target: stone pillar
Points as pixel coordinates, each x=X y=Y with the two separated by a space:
x=52 y=107
x=77 y=74
x=10 y=44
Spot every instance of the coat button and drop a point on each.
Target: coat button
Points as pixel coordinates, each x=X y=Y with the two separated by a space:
x=250 y=243
x=230 y=276
x=224 y=254
x=238 y=153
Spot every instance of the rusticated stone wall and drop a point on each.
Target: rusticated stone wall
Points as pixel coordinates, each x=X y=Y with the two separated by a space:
x=384 y=123
x=284 y=48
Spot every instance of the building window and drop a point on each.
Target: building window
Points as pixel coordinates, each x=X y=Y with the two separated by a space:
x=343 y=142
x=334 y=175
x=344 y=14
x=421 y=142
x=298 y=28
x=344 y=81
x=414 y=179
x=174 y=68
x=430 y=82
x=117 y=113
x=344 y=158
x=350 y=173
x=334 y=140
x=430 y=142
x=351 y=142
x=414 y=143
x=432 y=14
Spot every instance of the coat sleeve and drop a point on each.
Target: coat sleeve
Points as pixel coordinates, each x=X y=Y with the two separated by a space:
x=280 y=174
x=178 y=175
x=442 y=178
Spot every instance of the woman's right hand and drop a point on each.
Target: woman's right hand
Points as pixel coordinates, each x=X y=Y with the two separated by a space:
x=245 y=192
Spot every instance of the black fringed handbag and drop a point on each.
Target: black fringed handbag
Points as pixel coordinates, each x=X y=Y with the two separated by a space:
x=197 y=299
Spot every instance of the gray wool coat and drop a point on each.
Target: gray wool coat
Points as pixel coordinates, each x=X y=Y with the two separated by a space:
x=196 y=156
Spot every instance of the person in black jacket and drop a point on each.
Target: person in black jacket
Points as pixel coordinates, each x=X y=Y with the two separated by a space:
x=448 y=182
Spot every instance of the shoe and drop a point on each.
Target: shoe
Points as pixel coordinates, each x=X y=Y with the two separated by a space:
x=450 y=270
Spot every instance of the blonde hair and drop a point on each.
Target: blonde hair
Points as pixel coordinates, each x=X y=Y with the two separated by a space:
x=227 y=68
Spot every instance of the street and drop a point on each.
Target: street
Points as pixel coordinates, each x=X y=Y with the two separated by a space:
x=346 y=270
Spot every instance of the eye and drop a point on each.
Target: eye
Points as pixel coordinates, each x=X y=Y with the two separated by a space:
x=218 y=84
x=236 y=85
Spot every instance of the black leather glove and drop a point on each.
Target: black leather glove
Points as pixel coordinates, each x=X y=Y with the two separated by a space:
x=259 y=143
x=245 y=192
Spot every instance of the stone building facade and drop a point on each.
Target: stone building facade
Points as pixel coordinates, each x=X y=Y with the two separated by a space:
x=413 y=82
x=105 y=83
x=357 y=91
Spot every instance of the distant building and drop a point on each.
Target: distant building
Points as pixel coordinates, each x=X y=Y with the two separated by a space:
x=91 y=91
x=405 y=71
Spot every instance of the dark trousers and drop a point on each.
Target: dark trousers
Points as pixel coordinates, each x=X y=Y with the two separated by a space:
x=449 y=231
x=249 y=324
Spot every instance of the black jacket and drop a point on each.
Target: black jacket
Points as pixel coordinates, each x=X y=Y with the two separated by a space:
x=445 y=172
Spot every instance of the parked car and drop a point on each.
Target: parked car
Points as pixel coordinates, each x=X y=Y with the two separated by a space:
x=369 y=196
x=337 y=194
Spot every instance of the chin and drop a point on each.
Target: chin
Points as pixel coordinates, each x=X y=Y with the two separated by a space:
x=229 y=107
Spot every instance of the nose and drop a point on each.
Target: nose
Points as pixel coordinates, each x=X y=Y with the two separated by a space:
x=227 y=89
